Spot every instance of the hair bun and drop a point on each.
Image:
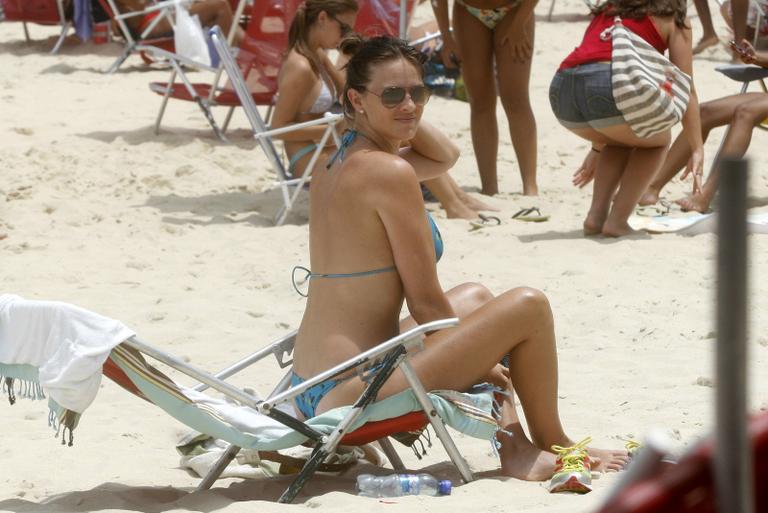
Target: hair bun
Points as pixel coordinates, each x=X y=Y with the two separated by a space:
x=351 y=44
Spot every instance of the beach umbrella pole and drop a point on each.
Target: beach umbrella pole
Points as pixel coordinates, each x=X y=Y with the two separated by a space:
x=733 y=456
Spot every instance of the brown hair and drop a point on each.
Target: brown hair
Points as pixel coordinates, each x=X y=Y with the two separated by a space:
x=306 y=15
x=367 y=53
x=636 y=9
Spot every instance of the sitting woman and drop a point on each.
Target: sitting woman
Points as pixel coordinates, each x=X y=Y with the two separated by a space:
x=309 y=85
x=372 y=247
x=210 y=12
x=741 y=112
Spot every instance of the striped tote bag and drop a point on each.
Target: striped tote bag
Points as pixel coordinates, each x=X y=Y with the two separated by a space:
x=650 y=91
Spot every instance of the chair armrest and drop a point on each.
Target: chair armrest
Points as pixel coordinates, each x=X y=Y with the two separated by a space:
x=328 y=118
x=406 y=339
x=743 y=72
x=180 y=59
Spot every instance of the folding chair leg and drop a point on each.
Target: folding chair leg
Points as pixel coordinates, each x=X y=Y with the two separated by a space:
x=218 y=468
x=211 y=121
x=227 y=119
x=392 y=456
x=164 y=103
x=121 y=59
x=436 y=421
x=551 y=10
x=318 y=456
x=26 y=32
x=62 y=36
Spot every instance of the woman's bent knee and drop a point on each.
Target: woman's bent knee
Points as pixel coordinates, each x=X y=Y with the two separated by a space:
x=748 y=114
x=475 y=292
x=529 y=298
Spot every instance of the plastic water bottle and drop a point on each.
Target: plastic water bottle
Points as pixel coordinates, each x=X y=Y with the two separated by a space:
x=398 y=485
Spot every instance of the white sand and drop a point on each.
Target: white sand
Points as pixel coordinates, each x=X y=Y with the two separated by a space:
x=172 y=235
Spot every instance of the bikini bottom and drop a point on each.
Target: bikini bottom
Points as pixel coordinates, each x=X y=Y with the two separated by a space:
x=490 y=17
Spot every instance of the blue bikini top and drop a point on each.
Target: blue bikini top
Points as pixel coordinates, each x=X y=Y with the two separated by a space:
x=437 y=240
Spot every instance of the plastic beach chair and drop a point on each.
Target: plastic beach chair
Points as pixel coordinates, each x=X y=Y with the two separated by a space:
x=688 y=486
x=41 y=12
x=243 y=419
x=258 y=57
x=290 y=186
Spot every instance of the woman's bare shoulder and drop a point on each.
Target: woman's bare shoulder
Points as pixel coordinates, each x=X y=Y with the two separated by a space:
x=380 y=173
x=296 y=67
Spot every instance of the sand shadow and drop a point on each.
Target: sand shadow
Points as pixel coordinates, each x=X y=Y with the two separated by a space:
x=563 y=17
x=173 y=138
x=579 y=235
x=157 y=499
x=254 y=208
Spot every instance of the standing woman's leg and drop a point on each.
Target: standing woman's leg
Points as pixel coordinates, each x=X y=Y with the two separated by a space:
x=514 y=78
x=476 y=43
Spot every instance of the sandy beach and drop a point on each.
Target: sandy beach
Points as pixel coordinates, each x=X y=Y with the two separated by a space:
x=172 y=234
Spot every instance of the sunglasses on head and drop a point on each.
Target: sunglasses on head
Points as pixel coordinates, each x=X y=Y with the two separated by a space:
x=391 y=97
x=344 y=27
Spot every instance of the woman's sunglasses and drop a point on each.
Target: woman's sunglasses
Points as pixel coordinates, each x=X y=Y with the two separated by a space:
x=343 y=27
x=391 y=97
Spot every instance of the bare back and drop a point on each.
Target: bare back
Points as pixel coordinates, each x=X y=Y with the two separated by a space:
x=347 y=315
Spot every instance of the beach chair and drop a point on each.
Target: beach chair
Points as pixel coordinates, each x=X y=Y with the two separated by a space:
x=140 y=42
x=653 y=486
x=49 y=329
x=290 y=186
x=41 y=12
x=258 y=57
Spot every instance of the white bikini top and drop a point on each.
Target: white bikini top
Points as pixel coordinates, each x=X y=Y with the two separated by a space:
x=324 y=100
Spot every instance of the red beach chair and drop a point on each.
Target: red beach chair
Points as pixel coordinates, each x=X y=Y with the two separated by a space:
x=42 y=12
x=259 y=56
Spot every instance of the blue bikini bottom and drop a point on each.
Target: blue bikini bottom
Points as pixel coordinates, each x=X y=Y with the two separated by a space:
x=308 y=400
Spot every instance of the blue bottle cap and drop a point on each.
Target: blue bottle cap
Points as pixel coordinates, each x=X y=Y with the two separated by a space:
x=444 y=487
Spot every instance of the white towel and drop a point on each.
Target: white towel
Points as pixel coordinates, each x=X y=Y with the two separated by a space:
x=67 y=344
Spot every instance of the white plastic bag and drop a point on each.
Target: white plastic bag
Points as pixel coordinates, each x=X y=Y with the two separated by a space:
x=188 y=37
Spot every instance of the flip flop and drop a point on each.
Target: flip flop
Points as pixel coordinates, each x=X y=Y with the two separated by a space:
x=484 y=221
x=661 y=208
x=530 y=215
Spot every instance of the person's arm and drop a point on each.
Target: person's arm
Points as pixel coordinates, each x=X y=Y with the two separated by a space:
x=450 y=47
x=400 y=207
x=294 y=85
x=681 y=54
x=430 y=152
x=516 y=36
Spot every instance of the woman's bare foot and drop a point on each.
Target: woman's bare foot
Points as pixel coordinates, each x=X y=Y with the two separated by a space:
x=593 y=224
x=697 y=203
x=616 y=229
x=604 y=460
x=522 y=460
x=458 y=210
x=476 y=204
x=704 y=43
x=649 y=197
x=530 y=190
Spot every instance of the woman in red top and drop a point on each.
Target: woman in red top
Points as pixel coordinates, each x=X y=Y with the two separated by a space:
x=582 y=99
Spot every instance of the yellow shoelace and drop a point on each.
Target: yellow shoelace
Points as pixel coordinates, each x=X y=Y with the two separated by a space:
x=572 y=458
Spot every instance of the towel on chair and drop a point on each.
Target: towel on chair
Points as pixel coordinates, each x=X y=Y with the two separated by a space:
x=55 y=347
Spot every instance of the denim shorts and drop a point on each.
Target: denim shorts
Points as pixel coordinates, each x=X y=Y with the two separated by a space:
x=582 y=97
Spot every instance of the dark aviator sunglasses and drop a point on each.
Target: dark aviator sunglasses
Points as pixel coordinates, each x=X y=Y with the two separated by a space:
x=391 y=97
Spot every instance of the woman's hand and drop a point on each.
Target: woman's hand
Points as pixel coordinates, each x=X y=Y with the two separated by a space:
x=586 y=172
x=520 y=45
x=746 y=51
x=695 y=167
x=450 y=53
